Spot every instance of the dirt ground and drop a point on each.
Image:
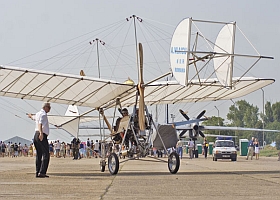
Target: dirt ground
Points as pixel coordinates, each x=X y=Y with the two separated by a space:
x=146 y=178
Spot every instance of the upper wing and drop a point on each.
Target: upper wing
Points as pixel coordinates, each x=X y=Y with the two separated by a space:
x=170 y=92
x=95 y=93
x=59 y=88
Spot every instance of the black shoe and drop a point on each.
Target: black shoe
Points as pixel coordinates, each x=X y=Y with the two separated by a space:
x=42 y=176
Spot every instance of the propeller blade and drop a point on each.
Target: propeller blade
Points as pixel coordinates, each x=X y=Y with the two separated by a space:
x=141 y=114
x=182 y=133
x=201 y=114
x=191 y=134
x=184 y=114
x=202 y=134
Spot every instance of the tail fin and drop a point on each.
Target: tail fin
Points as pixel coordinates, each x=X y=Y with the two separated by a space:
x=72 y=111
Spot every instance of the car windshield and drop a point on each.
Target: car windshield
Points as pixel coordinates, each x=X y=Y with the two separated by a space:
x=224 y=144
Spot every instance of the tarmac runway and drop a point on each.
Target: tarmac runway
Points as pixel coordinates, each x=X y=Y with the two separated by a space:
x=147 y=178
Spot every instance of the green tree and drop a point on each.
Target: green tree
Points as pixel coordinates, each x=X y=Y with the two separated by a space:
x=243 y=114
x=276 y=111
x=277 y=140
x=268 y=117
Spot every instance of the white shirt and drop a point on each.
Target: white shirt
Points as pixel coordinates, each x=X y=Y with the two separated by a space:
x=96 y=146
x=42 y=118
x=191 y=144
x=58 y=145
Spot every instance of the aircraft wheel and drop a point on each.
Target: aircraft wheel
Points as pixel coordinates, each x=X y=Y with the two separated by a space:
x=113 y=163
x=102 y=168
x=173 y=163
x=102 y=165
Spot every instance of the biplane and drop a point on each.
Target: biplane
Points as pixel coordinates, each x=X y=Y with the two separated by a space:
x=138 y=132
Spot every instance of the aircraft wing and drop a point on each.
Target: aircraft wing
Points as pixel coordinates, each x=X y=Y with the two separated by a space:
x=171 y=92
x=59 y=88
x=100 y=93
x=225 y=128
x=225 y=136
x=235 y=128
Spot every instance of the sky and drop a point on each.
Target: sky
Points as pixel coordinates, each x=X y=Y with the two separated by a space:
x=29 y=27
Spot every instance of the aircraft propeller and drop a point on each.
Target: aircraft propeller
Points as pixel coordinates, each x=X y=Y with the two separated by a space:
x=141 y=114
x=194 y=131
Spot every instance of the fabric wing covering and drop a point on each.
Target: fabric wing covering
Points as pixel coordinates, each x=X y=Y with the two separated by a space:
x=168 y=135
x=95 y=93
x=70 y=124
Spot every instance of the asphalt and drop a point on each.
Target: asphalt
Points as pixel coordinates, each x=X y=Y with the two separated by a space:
x=147 y=178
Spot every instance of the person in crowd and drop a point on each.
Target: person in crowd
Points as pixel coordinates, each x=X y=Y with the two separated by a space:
x=57 y=149
x=250 y=148
x=179 y=147
x=30 y=151
x=25 y=150
x=75 y=147
x=96 y=149
x=15 y=150
x=205 y=147
x=63 y=150
x=19 y=149
x=257 y=148
x=3 y=148
x=88 y=148
x=8 y=150
x=191 y=146
x=12 y=150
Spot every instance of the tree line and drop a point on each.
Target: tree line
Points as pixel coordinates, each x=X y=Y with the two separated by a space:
x=244 y=114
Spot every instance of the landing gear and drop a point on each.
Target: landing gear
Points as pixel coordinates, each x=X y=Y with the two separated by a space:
x=102 y=165
x=113 y=163
x=173 y=163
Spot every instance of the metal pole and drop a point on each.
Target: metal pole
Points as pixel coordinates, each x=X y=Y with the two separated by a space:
x=218 y=119
x=172 y=117
x=263 y=115
x=234 y=118
x=97 y=40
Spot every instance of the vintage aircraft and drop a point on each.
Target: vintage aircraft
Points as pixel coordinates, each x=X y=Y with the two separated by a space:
x=135 y=132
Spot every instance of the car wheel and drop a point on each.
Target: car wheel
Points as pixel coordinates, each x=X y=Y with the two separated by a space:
x=233 y=159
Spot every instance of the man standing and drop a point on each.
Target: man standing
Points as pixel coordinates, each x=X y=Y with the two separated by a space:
x=41 y=141
x=250 y=148
x=191 y=145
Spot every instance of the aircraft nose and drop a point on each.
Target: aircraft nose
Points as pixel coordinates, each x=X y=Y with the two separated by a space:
x=195 y=127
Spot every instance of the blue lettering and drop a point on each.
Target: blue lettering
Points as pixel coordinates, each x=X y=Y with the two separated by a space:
x=178 y=50
x=181 y=70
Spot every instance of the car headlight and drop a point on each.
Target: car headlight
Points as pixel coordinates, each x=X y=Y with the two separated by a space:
x=218 y=151
x=234 y=152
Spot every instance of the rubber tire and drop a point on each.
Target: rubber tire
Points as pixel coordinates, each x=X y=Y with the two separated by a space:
x=102 y=168
x=171 y=163
x=112 y=170
x=214 y=158
x=233 y=159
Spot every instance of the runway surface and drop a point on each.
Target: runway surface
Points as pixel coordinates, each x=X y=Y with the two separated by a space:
x=146 y=178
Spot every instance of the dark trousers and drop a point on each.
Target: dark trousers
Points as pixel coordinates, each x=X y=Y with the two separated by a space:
x=75 y=153
x=42 y=153
x=205 y=151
